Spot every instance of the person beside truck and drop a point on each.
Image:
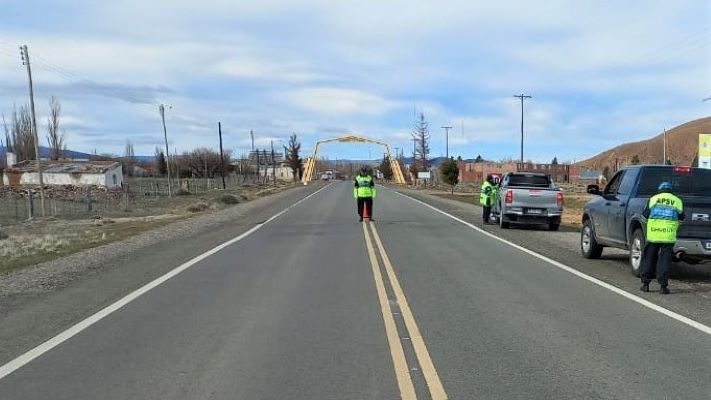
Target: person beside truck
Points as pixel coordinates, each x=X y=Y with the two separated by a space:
x=663 y=213
x=487 y=197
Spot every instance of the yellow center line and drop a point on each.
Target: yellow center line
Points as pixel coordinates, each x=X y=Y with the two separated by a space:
x=423 y=356
x=402 y=373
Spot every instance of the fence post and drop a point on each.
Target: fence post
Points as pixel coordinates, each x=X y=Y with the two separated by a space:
x=88 y=198
x=125 y=198
x=30 y=205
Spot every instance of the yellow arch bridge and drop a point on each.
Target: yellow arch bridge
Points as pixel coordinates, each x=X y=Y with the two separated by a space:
x=310 y=164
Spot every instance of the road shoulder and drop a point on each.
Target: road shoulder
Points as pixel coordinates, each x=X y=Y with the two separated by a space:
x=691 y=285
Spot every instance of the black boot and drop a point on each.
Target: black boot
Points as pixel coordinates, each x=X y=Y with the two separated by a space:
x=664 y=290
x=645 y=287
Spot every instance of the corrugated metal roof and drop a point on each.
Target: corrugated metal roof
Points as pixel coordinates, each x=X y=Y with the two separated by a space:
x=66 y=167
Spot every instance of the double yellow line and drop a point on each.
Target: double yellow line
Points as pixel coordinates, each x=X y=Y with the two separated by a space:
x=397 y=352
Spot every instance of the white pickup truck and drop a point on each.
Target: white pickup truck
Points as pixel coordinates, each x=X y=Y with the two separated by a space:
x=528 y=199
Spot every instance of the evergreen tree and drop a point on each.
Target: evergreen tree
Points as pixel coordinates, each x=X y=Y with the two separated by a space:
x=386 y=169
x=449 y=171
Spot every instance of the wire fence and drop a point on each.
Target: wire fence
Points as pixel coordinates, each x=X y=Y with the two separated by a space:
x=137 y=197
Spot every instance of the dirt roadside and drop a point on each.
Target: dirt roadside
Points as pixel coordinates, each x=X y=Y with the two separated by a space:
x=46 y=239
x=46 y=254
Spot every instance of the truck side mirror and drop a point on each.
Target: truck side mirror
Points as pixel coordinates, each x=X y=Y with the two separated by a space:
x=594 y=190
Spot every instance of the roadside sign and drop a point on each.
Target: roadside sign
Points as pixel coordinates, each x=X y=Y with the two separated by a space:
x=705 y=150
x=424 y=175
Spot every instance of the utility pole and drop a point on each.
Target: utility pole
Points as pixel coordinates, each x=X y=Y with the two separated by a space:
x=273 y=163
x=251 y=133
x=665 y=147
x=26 y=62
x=446 y=134
x=222 y=156
x=161 y=109
x=522 y=96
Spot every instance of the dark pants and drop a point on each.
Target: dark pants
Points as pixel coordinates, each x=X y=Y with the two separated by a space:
x=362 y=201
x=486 y=213
x=657 y=256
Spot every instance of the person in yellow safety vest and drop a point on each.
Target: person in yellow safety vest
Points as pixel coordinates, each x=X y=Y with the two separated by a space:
x=663 y=213
x=487 y=197
x=364 y=192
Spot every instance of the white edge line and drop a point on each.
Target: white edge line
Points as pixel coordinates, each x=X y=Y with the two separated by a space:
x=646 y=303
x=55 y=341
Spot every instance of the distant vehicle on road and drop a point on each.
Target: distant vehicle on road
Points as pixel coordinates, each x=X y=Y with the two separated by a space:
x=529 y=199
x=613 y=218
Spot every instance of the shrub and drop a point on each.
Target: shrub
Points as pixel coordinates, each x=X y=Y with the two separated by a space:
x=197 y=207
x=229 y=199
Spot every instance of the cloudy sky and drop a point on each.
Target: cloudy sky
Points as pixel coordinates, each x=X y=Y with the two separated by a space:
x=600 y=73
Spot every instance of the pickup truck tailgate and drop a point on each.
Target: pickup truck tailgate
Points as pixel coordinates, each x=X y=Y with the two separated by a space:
x=698 y=218
x=534 y=198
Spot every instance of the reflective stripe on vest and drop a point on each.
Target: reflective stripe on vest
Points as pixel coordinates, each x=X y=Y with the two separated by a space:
x=663 y=222
x=364 y=189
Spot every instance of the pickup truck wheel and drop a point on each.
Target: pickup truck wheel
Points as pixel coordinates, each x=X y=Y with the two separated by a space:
x=589 y=247
x=503 y=224
x=636 y=252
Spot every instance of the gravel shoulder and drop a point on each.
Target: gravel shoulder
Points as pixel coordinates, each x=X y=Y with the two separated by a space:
x=40 y=301
x=691 y=285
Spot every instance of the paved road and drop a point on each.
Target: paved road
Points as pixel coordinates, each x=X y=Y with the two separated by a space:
x=314 y=305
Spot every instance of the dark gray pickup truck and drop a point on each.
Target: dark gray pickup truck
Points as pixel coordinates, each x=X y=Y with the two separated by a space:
x=613 y=218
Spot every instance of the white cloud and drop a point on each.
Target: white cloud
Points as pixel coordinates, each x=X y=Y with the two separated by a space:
x=338 y=101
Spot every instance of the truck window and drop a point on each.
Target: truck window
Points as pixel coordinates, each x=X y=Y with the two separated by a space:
x=526 y=180
x=628 y=181
x=697 y=182
x=613 y=186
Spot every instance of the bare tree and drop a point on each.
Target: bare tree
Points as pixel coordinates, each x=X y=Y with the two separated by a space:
x=18 y=134
x=204 y=162
x=55 y=138
x=421 y=136
x=292 y=156
x=129 y=159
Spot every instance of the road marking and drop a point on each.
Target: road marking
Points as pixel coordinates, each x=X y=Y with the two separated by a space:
x=418 y=343
x=55 y=341
x=402 y=372
x=646 y=303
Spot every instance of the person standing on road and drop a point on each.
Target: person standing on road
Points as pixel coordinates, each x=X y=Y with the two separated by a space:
x=663 y=213
x=364 y=192
x=487 y=197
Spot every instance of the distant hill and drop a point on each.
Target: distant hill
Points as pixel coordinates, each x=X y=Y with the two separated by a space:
x=46 y=151
x=682 y=145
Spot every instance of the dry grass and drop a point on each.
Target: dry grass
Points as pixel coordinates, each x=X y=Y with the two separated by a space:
x=41 y=240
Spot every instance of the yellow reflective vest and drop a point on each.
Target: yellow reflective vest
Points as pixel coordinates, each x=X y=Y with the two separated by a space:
x=488 y=194
x=663 y=221
x=364 y=186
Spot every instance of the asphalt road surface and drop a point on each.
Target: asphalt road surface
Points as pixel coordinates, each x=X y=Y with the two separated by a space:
x=313 y=304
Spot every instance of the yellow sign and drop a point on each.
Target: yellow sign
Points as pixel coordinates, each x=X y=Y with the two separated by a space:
x=704 y=145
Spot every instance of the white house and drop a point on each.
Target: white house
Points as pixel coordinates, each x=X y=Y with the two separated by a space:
x=76 y=173
x=283 y=172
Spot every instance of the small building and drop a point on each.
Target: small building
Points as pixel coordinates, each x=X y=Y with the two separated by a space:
x=75 y=173
x=283 y=171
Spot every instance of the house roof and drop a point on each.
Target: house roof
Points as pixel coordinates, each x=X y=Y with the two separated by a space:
x=65 y=167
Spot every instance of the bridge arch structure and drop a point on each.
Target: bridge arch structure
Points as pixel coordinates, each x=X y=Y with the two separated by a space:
x=310 y=164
